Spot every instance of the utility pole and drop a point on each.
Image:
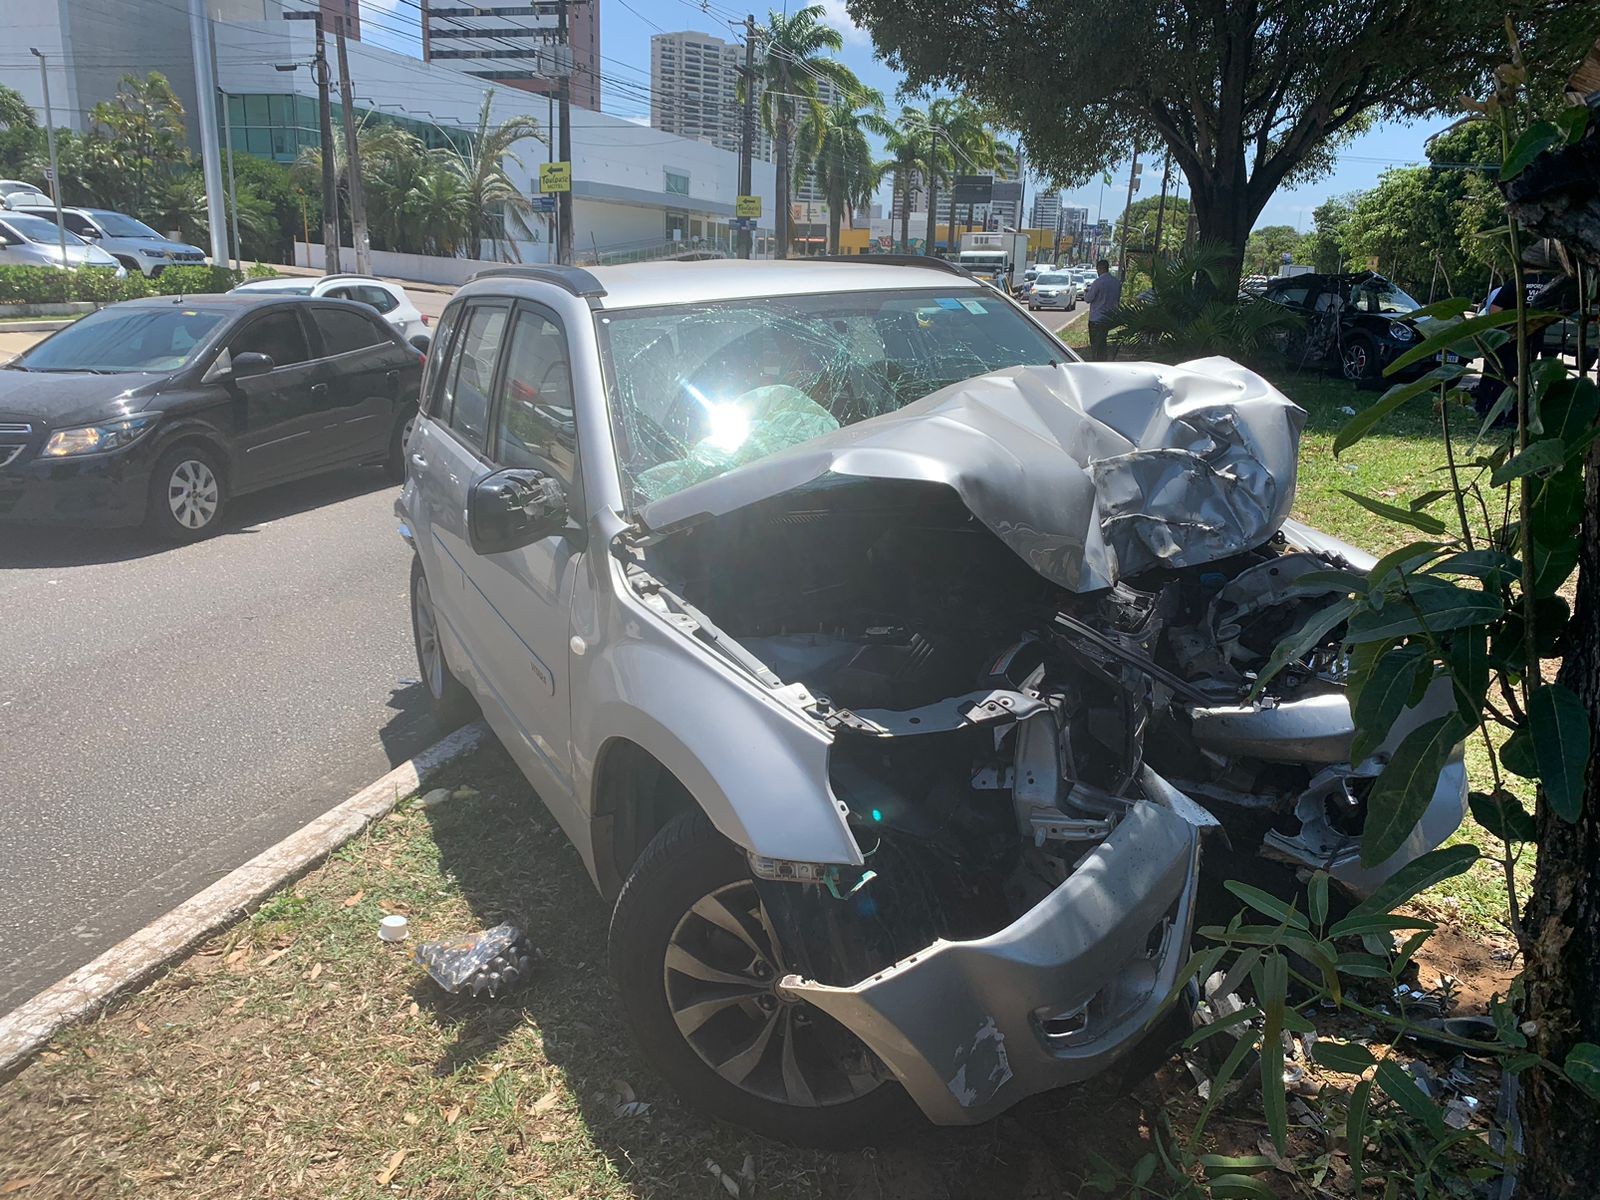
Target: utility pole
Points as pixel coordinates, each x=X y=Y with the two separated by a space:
x=1161 y=206
x=1133 y=186
x=352 y=153
x=564 y=199
x=55 y=173
x=227 y=135
x=553 y=236
x=747 y=131
x=933 y=193
x=205 y=103
x=330 y=181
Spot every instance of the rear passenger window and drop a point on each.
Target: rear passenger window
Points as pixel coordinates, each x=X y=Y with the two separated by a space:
x=533 y=416
x=439 y=362
x=464 y=406
x=378 y=297
x=343 y=331
x=278 y=335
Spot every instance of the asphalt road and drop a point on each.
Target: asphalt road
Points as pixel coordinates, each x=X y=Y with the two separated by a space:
x=168 y=712
x=1056 y=319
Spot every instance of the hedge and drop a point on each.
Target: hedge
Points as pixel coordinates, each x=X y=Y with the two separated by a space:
x=47 y=285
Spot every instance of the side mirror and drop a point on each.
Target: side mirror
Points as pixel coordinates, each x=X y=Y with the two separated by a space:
x=251 y=363
x=514 y=508
x=91 y=233
x=420 y=342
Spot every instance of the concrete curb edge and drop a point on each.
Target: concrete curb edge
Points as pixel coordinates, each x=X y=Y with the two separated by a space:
x=141 y=955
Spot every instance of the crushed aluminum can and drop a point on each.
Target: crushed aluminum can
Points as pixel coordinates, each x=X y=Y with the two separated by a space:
x=494 y=961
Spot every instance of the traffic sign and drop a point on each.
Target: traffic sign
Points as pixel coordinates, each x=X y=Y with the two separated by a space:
x=747 y=206
x=544 y=204
x=555 y=177
x=744 y=222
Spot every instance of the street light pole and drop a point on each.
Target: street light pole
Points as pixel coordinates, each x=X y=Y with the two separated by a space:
x=227 y=133
x=205 y=118
x=55 y=173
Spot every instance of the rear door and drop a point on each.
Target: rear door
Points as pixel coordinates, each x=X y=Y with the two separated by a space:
x=518 y=604
x=357 y=381
x=278 y=412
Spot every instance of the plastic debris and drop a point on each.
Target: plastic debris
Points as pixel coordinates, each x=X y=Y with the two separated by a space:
x=494 y=961
x=393 y=928
x=1347 y=411
x=728 y=1182
x=1458 y=1113
x=436 y=796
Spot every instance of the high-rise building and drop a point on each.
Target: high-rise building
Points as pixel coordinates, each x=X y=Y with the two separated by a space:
x=518 y=44
x=806 y=190
x=694 y=91
x=1046 y=211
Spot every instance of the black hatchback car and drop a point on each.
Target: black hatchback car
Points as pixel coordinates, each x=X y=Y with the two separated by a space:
x=156 y=411
x=1356 y=324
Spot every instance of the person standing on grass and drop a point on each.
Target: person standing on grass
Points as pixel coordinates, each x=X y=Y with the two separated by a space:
x=1104 y=295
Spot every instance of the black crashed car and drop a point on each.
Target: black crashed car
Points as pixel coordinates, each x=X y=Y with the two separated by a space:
x=156 y=412
x=1355 y=324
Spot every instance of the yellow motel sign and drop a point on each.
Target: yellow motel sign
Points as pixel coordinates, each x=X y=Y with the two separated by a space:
x=555 y=177
x=747 y=206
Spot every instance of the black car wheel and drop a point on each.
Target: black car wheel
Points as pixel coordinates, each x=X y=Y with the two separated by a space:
x=452 y=704
x=187 y=495
x=404 y=423
x=1360 y=359
x=697 y=961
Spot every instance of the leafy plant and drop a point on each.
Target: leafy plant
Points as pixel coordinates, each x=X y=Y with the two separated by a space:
x=1189 y=312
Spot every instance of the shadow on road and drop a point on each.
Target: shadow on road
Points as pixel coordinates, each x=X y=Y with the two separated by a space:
x=37 y=546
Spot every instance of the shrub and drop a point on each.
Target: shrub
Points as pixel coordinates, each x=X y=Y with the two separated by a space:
x=262 y=271
x=186 y=281
x=46 y=285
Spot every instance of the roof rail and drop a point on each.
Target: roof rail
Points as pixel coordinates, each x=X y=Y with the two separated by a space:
x=571 y=279
x=927 y=262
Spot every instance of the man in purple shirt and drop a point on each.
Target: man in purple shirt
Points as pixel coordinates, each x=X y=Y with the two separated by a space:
x=1104 y=295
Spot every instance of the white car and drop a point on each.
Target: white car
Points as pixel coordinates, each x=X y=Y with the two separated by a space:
x=1054 y=289
x=389 y=299
x=15 y=192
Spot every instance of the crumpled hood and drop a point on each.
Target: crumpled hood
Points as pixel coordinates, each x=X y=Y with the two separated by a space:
x=1089 y=471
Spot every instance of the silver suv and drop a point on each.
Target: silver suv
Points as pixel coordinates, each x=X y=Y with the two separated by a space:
x=128 y=240
x=868 y=648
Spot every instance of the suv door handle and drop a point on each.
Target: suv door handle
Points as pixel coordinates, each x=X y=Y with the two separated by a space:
x=319 y=391
x=418 y=460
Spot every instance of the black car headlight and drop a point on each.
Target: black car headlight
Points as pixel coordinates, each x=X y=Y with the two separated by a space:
x=98 y=439
x=1400 y=331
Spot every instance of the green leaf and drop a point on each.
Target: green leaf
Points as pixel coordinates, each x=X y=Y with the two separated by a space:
x=1408 y=558
x=1274 y=1098
x=1583 y=1068
x=1355 y=1132
x=1568 y=410
x=1200 y=965
x=1358 y=426
x=1453 y=307
x=1265 y=903
x=1572 y=121
x=1535 y=140
x=1427 y=499
x=1507 y=819
x=1381 y=698
x=1317 y=898
x=1144 y=1169
x=1239 y=1187
x=1558 y=725
x=1358 y=923
x=1300 y=642
x=1552 y=565
x=1540 y=456
x=1403 y=1090
x=1480 y=564
x=1429 y=603
x=1222 y=1025
x=1228 y=1164
x=1363 y=966
x=1400 y=795
x=1400 y=516
x=1468 y=659
x=1348 y=1058
x=1451 y=335
x=1415 y=877
x=1516 y=753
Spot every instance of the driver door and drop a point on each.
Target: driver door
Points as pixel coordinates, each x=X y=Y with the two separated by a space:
x=277 y=413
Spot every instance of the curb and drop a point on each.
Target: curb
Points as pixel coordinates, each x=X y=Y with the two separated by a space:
x=141 y=955
x=37 y=325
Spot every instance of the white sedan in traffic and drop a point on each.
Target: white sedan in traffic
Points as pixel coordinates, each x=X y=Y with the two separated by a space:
x=389 y=299
x=1053 y=289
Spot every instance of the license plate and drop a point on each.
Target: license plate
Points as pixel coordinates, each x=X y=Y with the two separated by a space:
x=1446 y=357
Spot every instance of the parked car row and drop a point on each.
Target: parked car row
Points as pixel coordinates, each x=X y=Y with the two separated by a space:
x=808 y=598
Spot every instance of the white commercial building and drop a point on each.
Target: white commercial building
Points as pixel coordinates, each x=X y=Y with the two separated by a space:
x=1046 y=211
x=635 y=191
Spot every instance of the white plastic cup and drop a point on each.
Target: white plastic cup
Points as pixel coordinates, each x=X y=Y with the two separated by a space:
x=393 y=929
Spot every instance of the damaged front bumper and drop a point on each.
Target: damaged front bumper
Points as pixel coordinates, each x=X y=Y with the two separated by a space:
x=970 y=1028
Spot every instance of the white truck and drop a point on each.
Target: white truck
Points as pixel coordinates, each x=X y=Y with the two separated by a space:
x=998 y=258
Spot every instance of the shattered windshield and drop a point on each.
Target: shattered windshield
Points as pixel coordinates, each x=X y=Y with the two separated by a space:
x=1381 y=296
x=701 y=389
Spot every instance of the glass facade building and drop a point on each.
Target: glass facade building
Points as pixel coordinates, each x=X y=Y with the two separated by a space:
x=280 y=126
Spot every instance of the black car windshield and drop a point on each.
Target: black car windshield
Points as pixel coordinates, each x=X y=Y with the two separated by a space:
x=1380 y=296
x=125 y=339
x=701 y=389
x=37 y=229
x=120 y=226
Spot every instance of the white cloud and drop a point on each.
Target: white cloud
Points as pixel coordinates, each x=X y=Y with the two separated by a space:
x=836 y=15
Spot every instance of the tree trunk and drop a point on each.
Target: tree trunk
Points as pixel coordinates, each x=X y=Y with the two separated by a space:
x=834 y=216
x=1561 y=1136
x=905 y=212
x=1223 y=214
x=781 y=225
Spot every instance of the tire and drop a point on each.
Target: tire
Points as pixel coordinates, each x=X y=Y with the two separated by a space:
x=685 y=870
x=405 y=421
x=187 y=494
x=1073 y=307
x=452 y=704
x=1359 y=360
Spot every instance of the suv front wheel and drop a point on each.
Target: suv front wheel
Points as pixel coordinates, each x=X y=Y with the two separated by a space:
x=697 y=962
x=452 y=704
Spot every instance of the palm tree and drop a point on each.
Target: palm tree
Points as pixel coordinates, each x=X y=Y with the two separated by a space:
x=974 y=144
x=797 y=49
x=833 y=143
x=490 y=192
x=908 y=145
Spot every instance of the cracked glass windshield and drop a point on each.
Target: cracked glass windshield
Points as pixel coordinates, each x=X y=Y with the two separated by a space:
x=701 y=389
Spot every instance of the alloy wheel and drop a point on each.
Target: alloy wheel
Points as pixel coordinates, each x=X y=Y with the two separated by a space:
x=429 y=652
x=722 y=967
x=1355 y=361
x=193 y=494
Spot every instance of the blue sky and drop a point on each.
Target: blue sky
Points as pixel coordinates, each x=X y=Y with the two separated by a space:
x=627 y=25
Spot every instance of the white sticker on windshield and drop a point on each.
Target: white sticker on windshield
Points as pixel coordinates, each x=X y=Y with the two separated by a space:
x=972 y=306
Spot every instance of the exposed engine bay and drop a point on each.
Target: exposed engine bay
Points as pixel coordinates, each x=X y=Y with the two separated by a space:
x=992 y=727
